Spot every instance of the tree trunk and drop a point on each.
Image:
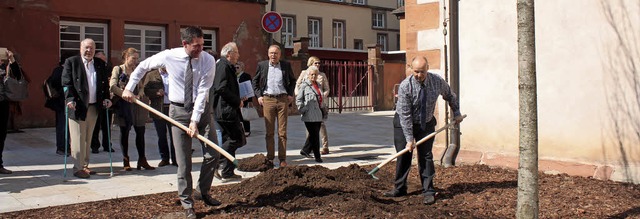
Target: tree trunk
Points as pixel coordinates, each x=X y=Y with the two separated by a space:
x=528 y=165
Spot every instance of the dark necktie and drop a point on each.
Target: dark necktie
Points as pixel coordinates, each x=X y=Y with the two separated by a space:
x=422 y=97
x=188 y=87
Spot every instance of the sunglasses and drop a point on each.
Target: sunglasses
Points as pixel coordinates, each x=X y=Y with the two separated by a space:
x=316 y=63
x=237 y=67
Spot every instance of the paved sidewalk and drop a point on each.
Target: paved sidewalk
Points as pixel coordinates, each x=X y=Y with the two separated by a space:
x=37 y=181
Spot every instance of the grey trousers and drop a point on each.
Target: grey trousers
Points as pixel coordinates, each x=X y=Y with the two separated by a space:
x=182 y=142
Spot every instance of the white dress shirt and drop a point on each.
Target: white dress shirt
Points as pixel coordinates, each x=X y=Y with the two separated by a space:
x=165 y=82
x=175 y=61
x=90 y=70
x=275 y=84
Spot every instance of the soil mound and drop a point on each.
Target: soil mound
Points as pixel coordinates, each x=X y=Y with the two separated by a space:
x=257 y=163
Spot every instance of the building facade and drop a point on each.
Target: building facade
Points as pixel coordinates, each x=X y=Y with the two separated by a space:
x=339 y=24
x=587 y=54
x=42 y=32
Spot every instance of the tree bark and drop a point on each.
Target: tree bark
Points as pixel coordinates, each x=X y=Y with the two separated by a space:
x=528 y=165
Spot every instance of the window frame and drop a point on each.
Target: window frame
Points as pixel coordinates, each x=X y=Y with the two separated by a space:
x=82 y=35
x=376 y=22
x=318 y=36
x=343 y=40
x=359 y=2
x=384 y=45
x=288 y=41
x=143 y=39
x=358 y=42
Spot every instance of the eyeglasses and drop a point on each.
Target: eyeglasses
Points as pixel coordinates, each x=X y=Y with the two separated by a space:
x=316 y=63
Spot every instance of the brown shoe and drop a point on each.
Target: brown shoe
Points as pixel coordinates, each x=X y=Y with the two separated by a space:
x=89 y=171
x=325 y=151
x=81 y=174
x=283 y=163
x=142 y=163
x=163 y=163
x=125 y=164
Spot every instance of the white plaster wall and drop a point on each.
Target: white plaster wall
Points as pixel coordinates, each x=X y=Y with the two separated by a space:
x=571 y=35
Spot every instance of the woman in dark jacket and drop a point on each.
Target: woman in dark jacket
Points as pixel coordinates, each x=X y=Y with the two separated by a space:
x=8 y=66
x=310 y=103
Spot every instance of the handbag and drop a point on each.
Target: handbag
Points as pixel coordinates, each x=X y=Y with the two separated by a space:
x=249 y=113
x=16 y=90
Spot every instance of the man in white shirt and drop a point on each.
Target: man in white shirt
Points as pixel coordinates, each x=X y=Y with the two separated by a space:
x=191 y=74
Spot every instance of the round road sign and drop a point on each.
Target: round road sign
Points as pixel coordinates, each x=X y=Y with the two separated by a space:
x=272 y=22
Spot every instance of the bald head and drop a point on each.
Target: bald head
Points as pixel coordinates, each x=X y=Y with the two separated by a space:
x=419 y=67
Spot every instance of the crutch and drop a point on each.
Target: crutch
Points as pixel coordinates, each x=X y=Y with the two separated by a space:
x=66 y=134
x=109 y=141
x=181 y=126
x=423 y=140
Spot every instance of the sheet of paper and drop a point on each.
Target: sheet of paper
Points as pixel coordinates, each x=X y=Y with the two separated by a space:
x=246 y=90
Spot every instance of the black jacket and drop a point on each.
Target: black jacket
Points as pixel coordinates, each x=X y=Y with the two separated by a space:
x=226 y=92
x=74 y=77
x=260 y=80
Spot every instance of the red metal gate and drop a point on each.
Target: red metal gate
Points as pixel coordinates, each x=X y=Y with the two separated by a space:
x=351 y=85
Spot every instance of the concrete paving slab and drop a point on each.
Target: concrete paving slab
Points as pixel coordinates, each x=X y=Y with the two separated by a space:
x=38 y=181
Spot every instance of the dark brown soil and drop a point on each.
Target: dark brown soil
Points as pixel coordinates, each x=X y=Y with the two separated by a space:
x=257 y=163
x=475 y=191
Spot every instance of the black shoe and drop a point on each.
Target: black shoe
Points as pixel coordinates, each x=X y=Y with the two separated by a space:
x=107 y=150
x=232 y=177
x=305 y=154
x=429 y=199
x=318 y=160
x=59 y=152
x=163 y=163
x=5 y=171
x=95 y=151
x=394 y=193
x=190 y=213
x=217 y=175
x=207 y=199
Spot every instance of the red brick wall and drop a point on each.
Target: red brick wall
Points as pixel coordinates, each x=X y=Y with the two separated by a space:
x=30 y=28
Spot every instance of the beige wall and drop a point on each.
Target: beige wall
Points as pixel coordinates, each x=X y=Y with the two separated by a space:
x=578 y=59
x=357 y=21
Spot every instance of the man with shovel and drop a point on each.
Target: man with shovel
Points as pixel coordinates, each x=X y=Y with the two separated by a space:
x=191 y=74
x=413 y=120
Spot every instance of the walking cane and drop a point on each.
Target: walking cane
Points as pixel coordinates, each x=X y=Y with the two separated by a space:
x=66 y=134
x=423 y=140
x=109 y=141
x=181 y=126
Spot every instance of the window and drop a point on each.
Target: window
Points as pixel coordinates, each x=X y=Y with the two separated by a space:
x=382 y=41
x=337 y=0
x=400 y=3
x=378 y=18
x=288 y=31
x=338 y=35
x=149 y=40
x=209 y=37
x=359 y=2
x=315 y=32
x=358 y=44
x=72 y=33
x=209 y=40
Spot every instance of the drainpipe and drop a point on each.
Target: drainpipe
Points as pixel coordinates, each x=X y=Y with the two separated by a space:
x=454 y=132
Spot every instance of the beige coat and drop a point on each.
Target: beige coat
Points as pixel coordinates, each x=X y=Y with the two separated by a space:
x=140 y=115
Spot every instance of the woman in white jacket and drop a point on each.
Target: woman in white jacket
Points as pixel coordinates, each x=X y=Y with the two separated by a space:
x=310 y=104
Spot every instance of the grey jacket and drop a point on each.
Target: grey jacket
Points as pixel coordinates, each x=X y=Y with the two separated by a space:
x=307 y=102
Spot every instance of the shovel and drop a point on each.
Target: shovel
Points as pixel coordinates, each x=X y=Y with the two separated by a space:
x=181 y=126
x=423 y=140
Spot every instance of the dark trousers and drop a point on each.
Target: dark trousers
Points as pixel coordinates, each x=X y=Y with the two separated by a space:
x=247 y=126
x=4 y=119
x=425 y=156
x=232 y=136
x=124 y=140
x=101 y=125
x=166 y=148
x=60 y=128
x=313 y=138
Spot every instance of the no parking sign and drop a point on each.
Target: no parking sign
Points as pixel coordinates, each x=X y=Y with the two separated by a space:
x=272 y=22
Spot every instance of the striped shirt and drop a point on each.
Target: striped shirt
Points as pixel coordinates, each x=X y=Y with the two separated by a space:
x=408 y=106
